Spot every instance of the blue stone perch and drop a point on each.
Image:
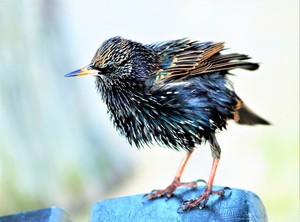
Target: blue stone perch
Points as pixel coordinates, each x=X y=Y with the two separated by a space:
x=235 y=206
x=51 y=214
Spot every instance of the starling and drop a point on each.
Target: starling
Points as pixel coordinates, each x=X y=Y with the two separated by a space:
x=175 y=93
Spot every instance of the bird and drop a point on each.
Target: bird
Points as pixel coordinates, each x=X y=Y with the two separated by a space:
x=174 y=93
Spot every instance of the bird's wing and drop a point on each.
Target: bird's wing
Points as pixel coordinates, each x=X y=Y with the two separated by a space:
x=184 y=58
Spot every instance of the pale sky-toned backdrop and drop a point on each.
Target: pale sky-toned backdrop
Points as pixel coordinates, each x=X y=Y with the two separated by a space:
x=57 y=145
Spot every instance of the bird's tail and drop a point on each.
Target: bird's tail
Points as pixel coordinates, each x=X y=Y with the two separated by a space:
x=247 y=117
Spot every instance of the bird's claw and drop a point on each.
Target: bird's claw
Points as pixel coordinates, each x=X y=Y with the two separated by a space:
x=156 y=194
x=201 y=201
x=193 y=203
x=169 y=191
x=222 y=191
x=200 y=180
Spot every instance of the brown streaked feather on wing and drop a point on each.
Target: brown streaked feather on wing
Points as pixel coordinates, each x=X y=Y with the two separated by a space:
x=184 y=58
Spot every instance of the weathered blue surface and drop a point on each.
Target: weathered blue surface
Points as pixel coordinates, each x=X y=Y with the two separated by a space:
x=51 y=214
x=239 y=206
x=236 y=206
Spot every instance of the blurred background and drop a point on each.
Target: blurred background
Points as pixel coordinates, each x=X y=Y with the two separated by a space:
x=57 y=145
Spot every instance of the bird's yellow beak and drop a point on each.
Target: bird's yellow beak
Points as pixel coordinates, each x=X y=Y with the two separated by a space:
x=82 y=72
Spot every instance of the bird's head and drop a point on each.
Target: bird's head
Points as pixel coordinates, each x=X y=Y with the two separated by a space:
x=120 y=59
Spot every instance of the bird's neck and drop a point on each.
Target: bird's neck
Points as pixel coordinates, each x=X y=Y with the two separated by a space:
x=119 y=96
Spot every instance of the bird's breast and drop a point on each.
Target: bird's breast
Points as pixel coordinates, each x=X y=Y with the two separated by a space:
x=177 y=116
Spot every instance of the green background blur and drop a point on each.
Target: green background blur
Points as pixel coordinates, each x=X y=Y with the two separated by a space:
x=57 y=146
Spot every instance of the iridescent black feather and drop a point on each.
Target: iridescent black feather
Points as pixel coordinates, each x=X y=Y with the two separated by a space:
x=175 y=93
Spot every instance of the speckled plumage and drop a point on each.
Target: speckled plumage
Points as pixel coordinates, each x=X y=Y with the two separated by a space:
x=175 y=93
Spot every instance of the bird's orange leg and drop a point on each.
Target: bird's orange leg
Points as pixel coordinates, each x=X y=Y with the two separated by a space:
x=202 y=200
x=168 y=192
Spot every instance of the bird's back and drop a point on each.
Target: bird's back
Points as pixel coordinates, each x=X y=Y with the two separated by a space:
x=183 y=58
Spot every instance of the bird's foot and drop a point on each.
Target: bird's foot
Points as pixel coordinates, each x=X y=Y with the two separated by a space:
x=168 y=192
x=201 y=201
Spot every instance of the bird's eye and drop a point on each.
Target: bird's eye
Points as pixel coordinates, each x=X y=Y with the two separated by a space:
x=109 y=68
